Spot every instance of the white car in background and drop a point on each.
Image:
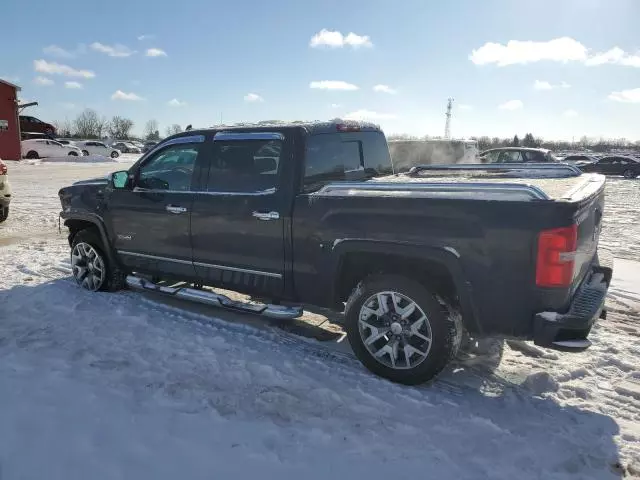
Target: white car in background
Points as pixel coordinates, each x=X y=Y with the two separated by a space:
x=41 y=148
x=93 y=147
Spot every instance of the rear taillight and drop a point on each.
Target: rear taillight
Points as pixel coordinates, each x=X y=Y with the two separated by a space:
x=347 y=127
x=3 y=168
x=556 y=256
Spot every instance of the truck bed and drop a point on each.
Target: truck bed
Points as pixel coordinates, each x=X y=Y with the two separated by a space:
x=547 y=184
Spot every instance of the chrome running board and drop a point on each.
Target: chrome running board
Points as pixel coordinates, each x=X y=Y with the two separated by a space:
x=214 y=299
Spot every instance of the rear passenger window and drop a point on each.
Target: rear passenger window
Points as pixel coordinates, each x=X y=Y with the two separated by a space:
x=249 y=166
x=331 y=157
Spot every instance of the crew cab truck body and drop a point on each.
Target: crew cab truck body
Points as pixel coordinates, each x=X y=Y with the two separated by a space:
x=313 y=214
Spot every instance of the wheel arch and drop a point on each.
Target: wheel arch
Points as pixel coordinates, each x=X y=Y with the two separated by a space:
x=78 y=223
x=437 y=268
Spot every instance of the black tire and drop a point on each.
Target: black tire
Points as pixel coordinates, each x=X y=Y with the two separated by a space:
x=445 y=331
x=4 y=213
x=115 y=154
x=72 y=154
x=85 y=153
x=115 y=279
x=629 y=174
x=32 y=154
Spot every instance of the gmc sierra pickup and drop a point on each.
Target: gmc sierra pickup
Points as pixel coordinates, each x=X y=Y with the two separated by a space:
x=313 y=213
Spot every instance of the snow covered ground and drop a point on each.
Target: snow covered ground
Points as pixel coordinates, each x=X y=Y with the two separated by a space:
x=111 y=386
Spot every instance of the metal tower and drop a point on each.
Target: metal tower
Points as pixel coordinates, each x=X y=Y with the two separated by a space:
x=447 y=125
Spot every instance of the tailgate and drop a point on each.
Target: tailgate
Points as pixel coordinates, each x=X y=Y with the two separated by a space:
x=588 y=219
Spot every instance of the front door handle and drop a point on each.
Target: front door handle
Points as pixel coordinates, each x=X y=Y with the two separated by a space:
x=266 y=215
x=175 y=209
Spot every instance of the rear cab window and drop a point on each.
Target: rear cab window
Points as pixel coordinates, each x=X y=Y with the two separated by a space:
x=331 y=157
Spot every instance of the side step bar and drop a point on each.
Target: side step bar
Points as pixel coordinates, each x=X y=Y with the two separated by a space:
x=215 y=299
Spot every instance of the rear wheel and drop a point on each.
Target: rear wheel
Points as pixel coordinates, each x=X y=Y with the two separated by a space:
x=90 y=266
x=399 y=330
x=629 y=174
x=4 y=213
x=32 y=154
x=114 y=154
x=85 y=153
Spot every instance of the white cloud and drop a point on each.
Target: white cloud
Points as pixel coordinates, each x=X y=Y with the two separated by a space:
x=44 y=81
x=57 y=68
x=146 y=36
x=614 y=56
x=563 y=49
x=626 y=96
x=253 y=97
x=176 y=103
x=463 y=106
x=369 y=115
x=112 y=50
x=120 y=95
x=332 y=85
x=73 y=85
x=544 y=85
x=335 y=105
x=570 y=113
x=56 y=51
x=335 y=39
x=384 y=89
x=156 y=52
x=511 y=105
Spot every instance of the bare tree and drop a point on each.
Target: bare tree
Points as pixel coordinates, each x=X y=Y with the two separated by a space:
x=173 y=129
x=151 y=131
x=120 y=127
x=87 y=124
x=65 y=128
x=102 y=126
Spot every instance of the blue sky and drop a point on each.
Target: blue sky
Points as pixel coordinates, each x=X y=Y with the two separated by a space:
x=557 y=68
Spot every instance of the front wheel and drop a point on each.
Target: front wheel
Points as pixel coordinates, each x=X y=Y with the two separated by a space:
x=73 y=154
x=85 y=153
x=90 y=266
x=114 y=154
x=629 y=174
x=32 y=154
x=399 y=330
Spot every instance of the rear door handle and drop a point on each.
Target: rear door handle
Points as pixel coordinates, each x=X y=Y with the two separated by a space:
x=266 y=215
x=175 y=209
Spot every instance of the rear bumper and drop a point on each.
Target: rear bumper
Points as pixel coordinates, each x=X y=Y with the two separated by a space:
x=568 y=331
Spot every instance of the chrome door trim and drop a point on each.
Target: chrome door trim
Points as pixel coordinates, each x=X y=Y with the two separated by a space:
x=200 y=264
x=236 y=269
x=154 y=257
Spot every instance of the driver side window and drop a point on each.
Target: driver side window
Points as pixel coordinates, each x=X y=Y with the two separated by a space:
x=169 y=169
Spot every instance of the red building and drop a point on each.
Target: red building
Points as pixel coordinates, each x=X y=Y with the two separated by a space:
x=9 y=124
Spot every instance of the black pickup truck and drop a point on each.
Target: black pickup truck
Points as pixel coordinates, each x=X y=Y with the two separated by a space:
x=313 y=213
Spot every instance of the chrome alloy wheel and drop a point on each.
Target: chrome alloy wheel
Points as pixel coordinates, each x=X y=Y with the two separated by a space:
x=87 y=266
x=395 y=330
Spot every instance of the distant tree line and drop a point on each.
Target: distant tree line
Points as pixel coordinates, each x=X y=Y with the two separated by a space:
x=529 y=140
x=90 y=125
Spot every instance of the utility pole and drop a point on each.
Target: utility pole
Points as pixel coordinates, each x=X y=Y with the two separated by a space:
x=447 y=125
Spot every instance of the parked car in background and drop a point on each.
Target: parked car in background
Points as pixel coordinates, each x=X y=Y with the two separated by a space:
x=517 y=155
x=33 y=135
x=140 y=145
x=40 y=148
x=148 y=146
x=579 y=159
x=5 y=191
x=33 y=124
x=628 y=167
x=93 y=147
x=126 y=147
